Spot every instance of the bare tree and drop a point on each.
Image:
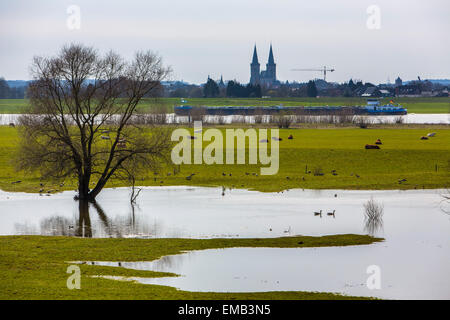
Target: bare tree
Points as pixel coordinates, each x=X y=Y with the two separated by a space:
x=79 y=125
x=373 y=216
x=283 y=120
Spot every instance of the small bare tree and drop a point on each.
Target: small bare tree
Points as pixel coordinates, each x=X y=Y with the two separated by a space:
x=373 y=210
x=373 y=216
x=283 y=120
x=362 y=121
x=79 y=122
x=258 y=115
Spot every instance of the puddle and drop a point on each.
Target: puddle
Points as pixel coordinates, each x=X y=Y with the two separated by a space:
x=414 y=270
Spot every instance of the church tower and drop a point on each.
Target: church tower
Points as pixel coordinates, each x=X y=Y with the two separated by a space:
x=254 y=69
x=271 y=68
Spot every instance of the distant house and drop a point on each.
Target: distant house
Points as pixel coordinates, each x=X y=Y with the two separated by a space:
x=443 y=93
x=427 y=94
x=385 y=93
x=372 y=92
x=410 y=90
x=398 y=82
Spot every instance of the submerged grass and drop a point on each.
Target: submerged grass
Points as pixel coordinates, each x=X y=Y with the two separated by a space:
x=34 y=267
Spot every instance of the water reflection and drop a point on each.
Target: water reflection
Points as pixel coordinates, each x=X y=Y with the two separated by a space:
x=84 y=221
x=373 y=227
x=172 y=262
x=373 y=216
x=438 y=118
x=204 y=213
x=91 y=221
x=57 y=226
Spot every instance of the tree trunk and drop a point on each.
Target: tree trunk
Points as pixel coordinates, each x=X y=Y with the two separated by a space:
x=93 y=194
x=84 y=222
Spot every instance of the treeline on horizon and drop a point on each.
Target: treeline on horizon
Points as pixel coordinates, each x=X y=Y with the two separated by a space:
x=234 y=89
x=312 y=88
x=7 y=92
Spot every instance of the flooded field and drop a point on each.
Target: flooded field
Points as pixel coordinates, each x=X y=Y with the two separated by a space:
x=205 y=213
x=414 y=259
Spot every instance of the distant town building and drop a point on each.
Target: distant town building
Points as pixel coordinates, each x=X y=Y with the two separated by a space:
x=266 y=77
x=372 y=92
x=398 y=82
x=221 y=83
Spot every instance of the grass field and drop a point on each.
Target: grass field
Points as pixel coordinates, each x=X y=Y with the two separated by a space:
x=424 y=164
x=39 y=271
x=414 y=105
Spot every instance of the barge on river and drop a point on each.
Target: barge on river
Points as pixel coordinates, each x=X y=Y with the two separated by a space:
x=373 y=107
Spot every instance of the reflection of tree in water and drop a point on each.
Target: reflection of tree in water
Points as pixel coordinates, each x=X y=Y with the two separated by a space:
x=25 y=229
x=373 y=217
x=172 y=263
x=57 y=226
x=372 y=227
x=135 y=225
x=84 y=228
x=129 y=226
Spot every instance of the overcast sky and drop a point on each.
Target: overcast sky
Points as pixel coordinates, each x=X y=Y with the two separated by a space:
x=209 y=37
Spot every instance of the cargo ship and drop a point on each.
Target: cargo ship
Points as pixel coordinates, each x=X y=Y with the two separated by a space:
x=373 y=107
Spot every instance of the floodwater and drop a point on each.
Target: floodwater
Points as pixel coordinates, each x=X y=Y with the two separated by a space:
x=413 y=260
x=412 y=118
x=193 y=212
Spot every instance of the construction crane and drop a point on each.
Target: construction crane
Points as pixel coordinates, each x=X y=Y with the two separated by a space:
x=324 y=70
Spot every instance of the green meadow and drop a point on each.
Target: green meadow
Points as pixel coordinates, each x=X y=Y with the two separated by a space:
x=414 y=105
x=35 y=267
x=337 y=153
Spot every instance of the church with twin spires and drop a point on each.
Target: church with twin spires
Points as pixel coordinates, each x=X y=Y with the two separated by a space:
x=266 y=77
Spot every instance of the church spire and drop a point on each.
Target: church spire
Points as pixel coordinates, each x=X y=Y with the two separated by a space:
x=255 y=56
x=271 y=60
